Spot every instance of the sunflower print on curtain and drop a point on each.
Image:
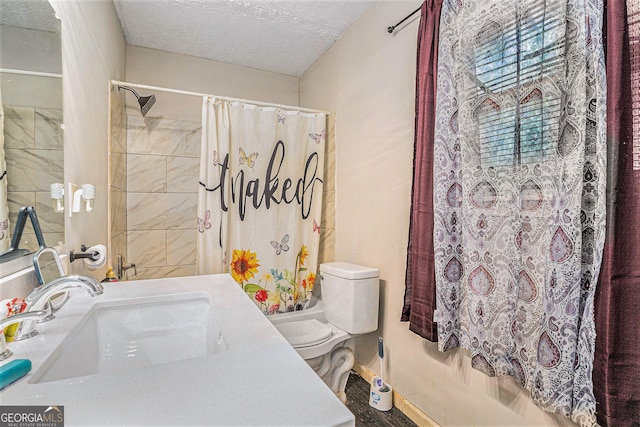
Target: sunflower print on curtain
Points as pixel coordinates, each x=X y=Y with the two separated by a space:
x=519 y=182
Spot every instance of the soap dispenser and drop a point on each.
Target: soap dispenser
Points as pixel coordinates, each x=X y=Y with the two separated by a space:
x=110 y=276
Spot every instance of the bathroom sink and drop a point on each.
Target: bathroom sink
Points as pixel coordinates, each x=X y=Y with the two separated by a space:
x=191 y=350
x=135 y=333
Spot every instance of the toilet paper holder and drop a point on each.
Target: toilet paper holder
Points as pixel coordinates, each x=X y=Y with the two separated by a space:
x=92 y=255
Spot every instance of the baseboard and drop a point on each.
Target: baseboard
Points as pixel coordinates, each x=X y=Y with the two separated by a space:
x=406 y=407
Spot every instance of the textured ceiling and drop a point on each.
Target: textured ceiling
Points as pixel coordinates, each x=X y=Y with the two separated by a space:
x=282 y=36
x=32 y=14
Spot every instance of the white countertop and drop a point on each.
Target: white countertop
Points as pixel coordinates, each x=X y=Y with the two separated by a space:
x=258 y=380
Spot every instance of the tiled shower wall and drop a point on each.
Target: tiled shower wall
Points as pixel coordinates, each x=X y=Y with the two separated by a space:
x=118 y=178
x=155 y=172
x=162 y=185
x=34 y=153
x=326 y=252
x=33 y=142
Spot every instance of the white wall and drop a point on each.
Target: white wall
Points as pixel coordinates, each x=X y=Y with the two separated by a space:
x=93 y=52
x=170 y=70
x=367 y=78
x=30 y=50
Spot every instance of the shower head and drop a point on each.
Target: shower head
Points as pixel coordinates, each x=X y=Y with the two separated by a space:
x=146 y=102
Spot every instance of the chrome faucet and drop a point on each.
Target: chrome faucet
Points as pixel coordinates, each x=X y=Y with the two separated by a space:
x=20 y=317
x=38 y=301
x=5 y=353
x=123 y=266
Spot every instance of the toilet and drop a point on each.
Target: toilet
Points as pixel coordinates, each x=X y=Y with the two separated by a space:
x=323 y=334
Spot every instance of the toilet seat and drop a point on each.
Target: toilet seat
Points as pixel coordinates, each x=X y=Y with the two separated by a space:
x=305 y=333
x=311 y=337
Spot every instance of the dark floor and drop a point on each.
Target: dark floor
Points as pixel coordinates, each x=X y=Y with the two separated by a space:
x=366 y=416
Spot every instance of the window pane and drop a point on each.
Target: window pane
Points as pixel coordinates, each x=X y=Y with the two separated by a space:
x=518 y=106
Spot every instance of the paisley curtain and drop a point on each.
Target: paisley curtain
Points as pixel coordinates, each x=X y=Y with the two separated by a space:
x=420 y=290
x=5 y=242
x=519 y=192
x=260 y=200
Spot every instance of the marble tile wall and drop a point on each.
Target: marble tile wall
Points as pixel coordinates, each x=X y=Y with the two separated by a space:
x=118 y=178
x=34 y=156
x=328 y=223
x=162 y=168
x=155 y=179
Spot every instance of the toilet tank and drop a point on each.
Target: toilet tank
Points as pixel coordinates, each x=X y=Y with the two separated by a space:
x=350 y=294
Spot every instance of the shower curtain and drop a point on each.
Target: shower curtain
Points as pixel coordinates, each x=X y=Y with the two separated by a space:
x=519 y=192
x=260 y=200
x=4 y=204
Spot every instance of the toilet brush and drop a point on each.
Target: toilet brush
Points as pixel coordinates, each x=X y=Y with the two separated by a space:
x=381 y=393
x=379 y=382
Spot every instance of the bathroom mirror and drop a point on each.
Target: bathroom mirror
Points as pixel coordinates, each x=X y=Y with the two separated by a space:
x=31 y=103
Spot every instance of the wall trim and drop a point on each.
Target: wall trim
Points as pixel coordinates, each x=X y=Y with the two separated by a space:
x=399 y=401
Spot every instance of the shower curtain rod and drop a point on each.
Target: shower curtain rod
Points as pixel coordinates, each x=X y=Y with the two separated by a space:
x=185 y=92
x=30 y=73
x=393 y=27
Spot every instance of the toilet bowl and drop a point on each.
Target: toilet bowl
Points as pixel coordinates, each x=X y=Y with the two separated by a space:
x=323 y=334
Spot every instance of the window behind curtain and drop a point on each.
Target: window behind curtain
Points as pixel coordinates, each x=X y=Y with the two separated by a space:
x=517 y=111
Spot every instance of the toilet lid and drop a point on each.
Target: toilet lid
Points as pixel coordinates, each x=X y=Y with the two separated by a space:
x=305 y=333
